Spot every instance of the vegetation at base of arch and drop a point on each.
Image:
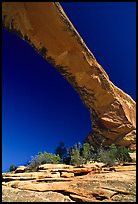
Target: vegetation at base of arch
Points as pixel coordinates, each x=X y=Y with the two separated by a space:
x=114 y=154
x=80 y=154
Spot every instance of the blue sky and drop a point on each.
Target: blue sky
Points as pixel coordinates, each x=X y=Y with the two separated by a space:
x=39 y=107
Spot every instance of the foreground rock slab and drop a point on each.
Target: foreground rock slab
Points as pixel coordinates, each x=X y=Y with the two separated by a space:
x=110 y=184
x=16 y=195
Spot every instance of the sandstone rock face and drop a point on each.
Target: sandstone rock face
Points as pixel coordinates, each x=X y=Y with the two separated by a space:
x=17 y=195
x=47 y=28
x=53 y=166
x=67 y=175
x=117 y=183
x=133 y=156
x=20 y=169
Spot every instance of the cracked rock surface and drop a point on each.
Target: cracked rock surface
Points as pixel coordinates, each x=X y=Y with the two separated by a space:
x=101 y=184
x=49 y=31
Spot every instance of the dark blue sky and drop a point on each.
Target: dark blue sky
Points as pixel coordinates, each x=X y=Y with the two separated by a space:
x=39 y=107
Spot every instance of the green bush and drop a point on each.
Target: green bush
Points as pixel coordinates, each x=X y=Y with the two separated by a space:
x=113 y=154
x=122 y=154
x=106 y=157
x=75 y=157
x=12 y=167
x=87 y=152
x=43 y=158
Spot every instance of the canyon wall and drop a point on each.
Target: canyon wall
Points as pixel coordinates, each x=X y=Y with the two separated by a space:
x=47 y=28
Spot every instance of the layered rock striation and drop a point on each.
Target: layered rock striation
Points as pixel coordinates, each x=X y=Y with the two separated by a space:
x=65 y=183
x=47 y=28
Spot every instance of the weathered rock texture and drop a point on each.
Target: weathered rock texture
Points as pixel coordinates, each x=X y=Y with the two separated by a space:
x=91 y=183
x=47 y=28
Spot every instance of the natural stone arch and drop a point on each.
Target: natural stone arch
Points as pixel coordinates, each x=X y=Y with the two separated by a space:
x=47 y=28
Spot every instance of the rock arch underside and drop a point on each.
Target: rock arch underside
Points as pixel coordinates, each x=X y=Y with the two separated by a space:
x=47 y=28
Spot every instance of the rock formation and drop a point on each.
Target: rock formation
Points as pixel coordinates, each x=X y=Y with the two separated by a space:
x=47 y=28
x=86 y=183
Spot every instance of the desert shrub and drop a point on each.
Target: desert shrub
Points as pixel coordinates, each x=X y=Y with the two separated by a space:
x=106 y=157
x=122 y=154
x=12 y=167
x=43 y=158
x=75 y=157
x=113 y=154
x=87 y=152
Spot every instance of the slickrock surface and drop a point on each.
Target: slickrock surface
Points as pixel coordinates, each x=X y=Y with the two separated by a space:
x=47 y=28
x=101 y=184
x=20 y=169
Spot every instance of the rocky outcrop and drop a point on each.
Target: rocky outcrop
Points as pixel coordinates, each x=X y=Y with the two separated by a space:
x=17 y=195
x=133 y=156
x=47 y=28
x=117 y=183
x=52 y=171
x=20 y=169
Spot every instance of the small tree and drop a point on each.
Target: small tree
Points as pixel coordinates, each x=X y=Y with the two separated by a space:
x=61 y=151
x=87 y=152
x=12 y=167
x=75 y=157
x=79 y=147
x=122 y=154
x=71 y=151
x=68 y=155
